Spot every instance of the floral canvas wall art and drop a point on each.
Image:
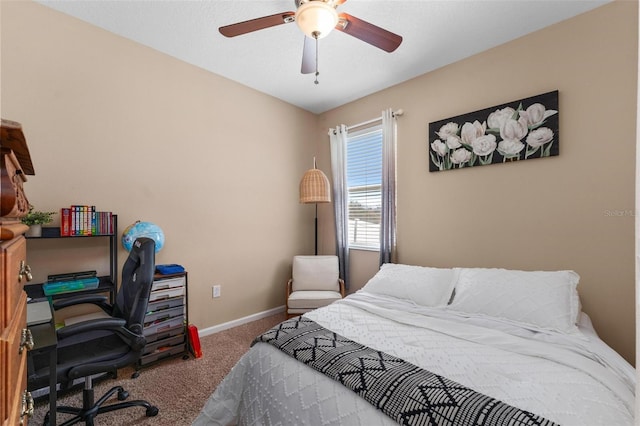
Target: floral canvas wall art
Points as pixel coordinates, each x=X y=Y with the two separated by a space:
x=515 y=131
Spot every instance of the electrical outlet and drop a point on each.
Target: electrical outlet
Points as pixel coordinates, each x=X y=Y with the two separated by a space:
x=216 y=291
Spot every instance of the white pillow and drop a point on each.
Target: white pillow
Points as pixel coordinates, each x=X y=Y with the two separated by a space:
x=544 y=299
x=423 y=285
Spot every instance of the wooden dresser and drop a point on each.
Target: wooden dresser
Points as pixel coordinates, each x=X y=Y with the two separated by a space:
x=16 y=404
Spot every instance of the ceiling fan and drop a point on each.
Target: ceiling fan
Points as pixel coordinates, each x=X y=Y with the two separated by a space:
x=316 y=19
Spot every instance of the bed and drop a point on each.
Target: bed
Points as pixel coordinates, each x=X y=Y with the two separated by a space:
x=504 y=347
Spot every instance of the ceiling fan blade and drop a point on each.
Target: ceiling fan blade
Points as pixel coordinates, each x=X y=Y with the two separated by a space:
x=308 y=56
x=251 y=25
x=369 y=33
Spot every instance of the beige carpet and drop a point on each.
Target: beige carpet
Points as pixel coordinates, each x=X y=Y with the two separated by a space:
x=179 y=388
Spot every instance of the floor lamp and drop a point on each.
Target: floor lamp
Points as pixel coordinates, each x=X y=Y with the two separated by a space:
x=314 y=188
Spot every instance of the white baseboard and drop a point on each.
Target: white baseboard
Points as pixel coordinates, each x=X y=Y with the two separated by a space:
x=240 y=321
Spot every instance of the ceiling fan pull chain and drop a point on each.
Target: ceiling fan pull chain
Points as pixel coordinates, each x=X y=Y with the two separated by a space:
x=315 y=35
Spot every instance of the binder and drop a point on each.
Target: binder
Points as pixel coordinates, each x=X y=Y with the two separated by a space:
x=69 y=286
x=194 y=341
x=74 y=281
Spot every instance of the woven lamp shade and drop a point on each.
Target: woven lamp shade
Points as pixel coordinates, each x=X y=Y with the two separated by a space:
x=314 y=187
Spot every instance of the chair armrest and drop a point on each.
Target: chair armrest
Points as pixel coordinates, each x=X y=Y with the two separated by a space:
x=116 y=325
x=342 y=289
x=289 y=287
x=95 y=299
x=111 y=324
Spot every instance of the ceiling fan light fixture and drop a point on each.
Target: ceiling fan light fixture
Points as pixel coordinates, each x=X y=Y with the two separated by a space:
x=316 y=18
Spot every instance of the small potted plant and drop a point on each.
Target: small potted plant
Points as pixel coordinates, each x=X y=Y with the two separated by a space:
x=35 y=220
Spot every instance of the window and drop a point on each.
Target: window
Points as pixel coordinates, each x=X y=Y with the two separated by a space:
x=364 y=185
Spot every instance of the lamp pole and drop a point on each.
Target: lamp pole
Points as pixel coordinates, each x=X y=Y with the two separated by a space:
x=316 y=229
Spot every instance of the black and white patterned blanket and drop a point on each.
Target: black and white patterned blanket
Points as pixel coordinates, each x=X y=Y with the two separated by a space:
x=406 y=393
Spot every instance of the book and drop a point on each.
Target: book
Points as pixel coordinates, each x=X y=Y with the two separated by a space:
x=85 y=220
x=94 y=227
x=65 y=222
x=76 y=219
x=72 y=212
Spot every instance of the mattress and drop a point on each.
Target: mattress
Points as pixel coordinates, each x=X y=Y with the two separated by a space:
x=570 y=379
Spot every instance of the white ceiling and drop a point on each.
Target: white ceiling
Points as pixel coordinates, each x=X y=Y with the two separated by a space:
x=436 y=33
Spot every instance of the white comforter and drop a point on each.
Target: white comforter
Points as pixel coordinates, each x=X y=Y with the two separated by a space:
x=571 y=380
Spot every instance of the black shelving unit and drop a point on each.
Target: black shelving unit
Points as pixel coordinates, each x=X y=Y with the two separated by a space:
x=108 y=283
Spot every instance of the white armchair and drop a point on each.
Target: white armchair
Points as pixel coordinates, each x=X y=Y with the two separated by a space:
x=314 y=283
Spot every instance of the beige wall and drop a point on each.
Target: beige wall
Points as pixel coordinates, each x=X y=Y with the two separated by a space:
x=540 y=214
x=115 y=124
x=118 y=125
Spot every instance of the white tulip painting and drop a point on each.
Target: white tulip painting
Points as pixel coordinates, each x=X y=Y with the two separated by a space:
x=519 y=130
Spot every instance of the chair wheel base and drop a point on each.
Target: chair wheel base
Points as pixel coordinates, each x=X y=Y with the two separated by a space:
x=86 y=415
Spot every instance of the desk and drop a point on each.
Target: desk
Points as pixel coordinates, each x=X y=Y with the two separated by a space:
x=46 y=341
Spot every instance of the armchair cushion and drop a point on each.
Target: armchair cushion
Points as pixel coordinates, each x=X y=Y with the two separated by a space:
x=315 y=273
x=312 y=299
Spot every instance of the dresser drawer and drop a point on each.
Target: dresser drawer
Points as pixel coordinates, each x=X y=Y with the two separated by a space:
x=14 y=256
x=14 y=373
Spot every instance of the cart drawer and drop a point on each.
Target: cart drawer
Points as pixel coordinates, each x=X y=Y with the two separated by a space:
x=165 y=333
x=162 y=326
x=168 y=283
x=166 y=294
x=160 y=354
x=163 y=344
x=163 y=314
x=164 y=304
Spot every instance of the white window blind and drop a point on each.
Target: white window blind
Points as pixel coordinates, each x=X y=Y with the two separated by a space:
x=364 y=182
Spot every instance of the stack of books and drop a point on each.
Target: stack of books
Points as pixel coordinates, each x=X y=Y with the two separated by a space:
x=80 y=220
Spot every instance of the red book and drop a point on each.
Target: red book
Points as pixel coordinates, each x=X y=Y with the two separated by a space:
x=65 y=222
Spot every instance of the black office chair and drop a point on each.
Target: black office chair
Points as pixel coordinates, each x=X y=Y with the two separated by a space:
x=102 y=345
